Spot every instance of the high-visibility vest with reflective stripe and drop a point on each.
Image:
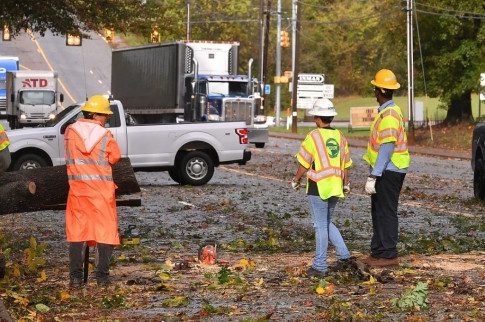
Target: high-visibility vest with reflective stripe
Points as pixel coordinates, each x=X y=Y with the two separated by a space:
x=388 y=126
x=4 y=142
x=325 y=153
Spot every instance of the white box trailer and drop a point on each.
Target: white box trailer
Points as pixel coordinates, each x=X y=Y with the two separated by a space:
x=32 y=97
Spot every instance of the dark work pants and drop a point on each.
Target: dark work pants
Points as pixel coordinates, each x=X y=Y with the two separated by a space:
x=76 y=259
x=384 y=214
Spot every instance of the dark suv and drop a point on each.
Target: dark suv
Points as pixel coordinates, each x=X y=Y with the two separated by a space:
x=478 y=160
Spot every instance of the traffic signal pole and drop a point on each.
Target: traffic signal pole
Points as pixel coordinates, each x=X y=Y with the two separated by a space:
x=278 y=64
x=296 y=17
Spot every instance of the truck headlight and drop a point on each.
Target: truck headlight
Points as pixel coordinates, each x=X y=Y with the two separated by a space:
x=52 y=116
x=23 y=116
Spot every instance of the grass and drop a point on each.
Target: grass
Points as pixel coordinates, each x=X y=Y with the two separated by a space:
x=431 y=106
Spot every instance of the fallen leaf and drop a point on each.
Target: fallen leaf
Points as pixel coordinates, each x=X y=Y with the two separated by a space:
x=259 y=282
x=42 y=278
x=42 y=308
x=176 y=301
x=164 y=276
x=64 y=296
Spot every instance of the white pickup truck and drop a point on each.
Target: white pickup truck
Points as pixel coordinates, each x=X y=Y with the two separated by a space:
x=188 y=151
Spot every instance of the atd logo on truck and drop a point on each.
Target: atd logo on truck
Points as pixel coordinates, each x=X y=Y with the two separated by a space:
x=34 y=82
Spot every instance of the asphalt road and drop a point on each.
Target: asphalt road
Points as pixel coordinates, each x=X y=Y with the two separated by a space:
x=83 y=71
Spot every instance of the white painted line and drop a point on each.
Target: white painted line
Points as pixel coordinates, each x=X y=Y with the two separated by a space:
x=41 y=51
x=24 y=67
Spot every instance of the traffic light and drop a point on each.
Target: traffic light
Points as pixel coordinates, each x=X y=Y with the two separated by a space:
x=284 y=39
x=74 y=39
x=155 y=36
x=6 y=33
x=109 y=34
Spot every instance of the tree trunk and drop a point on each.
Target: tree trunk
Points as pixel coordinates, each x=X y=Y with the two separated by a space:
x=52 y=186
x=16 y=195
x=460 y=109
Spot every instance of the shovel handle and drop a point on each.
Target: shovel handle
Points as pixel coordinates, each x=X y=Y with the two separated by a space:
x=86 y=264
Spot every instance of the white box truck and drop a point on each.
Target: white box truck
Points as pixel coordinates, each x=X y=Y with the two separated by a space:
x=32 y=97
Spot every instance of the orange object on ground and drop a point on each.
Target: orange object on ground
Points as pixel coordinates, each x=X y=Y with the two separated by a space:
x=90 y=150
x=208 y=254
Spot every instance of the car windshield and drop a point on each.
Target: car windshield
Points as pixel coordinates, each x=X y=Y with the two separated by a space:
x=37 y=97
x=60 y=116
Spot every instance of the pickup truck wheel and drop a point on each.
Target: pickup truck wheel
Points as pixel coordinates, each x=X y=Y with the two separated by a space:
x=29 y=161
x=196 y=168
x=479 y=179
x=259 y=145
x=175 y=175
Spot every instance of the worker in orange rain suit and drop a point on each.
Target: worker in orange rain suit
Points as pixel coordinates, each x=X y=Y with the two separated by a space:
x=90 y=151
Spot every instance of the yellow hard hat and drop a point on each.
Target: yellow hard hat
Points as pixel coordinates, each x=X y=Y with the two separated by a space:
x=385 y=78
x=97 y=104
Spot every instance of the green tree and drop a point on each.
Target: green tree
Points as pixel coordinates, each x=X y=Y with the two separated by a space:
x=453 y=52
x=65 y=16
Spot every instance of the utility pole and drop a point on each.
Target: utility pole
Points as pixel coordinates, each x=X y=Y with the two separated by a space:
x=410 y=58
x=278 y=63
x=296 y=18
x=188 y=19
x=265 y=10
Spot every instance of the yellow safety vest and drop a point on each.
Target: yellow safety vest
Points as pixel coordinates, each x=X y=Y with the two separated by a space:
x=388 y=126
x=4 y=142
x=328 y=151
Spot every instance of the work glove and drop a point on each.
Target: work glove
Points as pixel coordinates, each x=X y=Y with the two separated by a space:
x=347 y=188
x=370 y=186
x=295 y=184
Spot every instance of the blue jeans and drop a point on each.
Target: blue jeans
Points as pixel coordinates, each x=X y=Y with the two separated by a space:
x=322 y=211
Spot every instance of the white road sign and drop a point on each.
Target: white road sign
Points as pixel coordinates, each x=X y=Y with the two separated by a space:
x=311 y=78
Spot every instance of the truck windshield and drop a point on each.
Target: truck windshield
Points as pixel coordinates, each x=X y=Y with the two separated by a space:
x=37 y=97
x=228 y=88
x=60 y=116
x=2 y=84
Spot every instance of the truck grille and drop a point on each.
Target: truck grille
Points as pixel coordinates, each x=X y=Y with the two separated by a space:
x=37 y=115
x=238 y=111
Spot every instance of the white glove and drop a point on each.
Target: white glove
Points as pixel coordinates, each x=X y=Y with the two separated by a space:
x=347 y=188
x=295 y=184
x=370 y=186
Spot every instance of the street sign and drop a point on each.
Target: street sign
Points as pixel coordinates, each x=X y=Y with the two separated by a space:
x=305 y=102
x=267 y=89
x=315 y=91
x=311 y=78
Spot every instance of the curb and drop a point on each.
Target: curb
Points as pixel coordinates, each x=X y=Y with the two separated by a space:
x=363 y=143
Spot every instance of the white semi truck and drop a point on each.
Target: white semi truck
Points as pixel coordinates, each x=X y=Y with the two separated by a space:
x=32 y=97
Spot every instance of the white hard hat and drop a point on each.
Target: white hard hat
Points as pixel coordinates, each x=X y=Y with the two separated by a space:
x=323 y=107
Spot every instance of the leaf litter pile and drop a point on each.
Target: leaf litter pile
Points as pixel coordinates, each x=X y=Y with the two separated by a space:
x=265 y=243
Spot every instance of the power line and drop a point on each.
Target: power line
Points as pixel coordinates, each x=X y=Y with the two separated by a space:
x=222 y=21
x=344 y=21
x=450 y=10
x=421 y=53
x=450 y=15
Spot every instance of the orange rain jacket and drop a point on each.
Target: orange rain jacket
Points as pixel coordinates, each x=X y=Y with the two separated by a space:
x=90 y=151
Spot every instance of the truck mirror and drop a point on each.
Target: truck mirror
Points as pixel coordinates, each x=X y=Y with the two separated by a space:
x=12 y=97
x=61 y=98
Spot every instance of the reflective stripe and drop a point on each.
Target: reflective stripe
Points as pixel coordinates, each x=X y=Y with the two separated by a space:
x=318 y=141
x=3 y=136
x=87 y=161
x=102 y=150
x=305 y=155
x=388 y=133
x=89 y=177
x=323 y=174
